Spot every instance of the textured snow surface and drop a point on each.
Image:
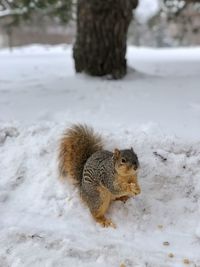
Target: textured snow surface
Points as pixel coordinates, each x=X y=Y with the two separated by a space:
x=155 y=109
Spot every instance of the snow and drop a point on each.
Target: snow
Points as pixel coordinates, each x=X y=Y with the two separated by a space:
x=155 y=109
x=147 y=9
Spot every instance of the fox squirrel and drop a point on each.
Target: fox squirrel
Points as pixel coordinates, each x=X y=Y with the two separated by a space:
x=101 y=176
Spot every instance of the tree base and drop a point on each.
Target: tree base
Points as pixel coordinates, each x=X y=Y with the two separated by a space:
x=100 y=46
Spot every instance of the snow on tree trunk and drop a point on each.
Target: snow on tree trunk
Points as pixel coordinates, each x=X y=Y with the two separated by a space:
x=100 y=46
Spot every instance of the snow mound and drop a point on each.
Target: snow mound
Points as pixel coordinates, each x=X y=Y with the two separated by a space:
x=44 y=223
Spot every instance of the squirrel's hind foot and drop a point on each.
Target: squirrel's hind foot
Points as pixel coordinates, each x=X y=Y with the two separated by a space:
x=105 y=222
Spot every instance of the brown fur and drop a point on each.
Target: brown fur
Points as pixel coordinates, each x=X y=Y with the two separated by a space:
x=98 y=215
x=129 y=187
x=123 y=199
x=127 y=182
x=76 y=146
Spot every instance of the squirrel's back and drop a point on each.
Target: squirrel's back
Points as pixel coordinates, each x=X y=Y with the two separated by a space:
x=77 y=144
x=99 y=166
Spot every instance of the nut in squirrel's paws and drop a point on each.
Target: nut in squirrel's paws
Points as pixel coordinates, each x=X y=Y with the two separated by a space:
x=135 y=189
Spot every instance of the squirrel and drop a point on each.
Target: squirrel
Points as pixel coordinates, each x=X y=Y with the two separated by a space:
x=101 y=176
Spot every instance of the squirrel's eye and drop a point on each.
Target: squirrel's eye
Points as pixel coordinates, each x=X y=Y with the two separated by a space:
x=123 y=160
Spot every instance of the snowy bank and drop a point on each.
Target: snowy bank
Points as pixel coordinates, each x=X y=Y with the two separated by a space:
x=155 y=109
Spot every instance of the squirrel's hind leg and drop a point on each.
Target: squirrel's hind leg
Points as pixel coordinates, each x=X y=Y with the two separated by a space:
x=98 y=202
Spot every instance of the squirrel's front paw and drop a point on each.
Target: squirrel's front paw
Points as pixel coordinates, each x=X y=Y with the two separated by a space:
x=135 y=189
x=123 y=198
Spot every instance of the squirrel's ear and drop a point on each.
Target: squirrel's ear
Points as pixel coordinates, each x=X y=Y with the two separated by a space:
x=132 y=149
x=116 y=153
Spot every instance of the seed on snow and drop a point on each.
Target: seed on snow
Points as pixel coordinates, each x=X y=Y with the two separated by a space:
x=166 y=243
x=186 y=261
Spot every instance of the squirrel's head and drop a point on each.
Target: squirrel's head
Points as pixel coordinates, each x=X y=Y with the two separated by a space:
x=126 y=161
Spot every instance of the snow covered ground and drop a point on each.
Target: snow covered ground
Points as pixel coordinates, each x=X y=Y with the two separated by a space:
x=155 y=109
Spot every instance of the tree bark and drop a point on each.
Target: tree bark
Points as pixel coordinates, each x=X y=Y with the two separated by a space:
x=100 y=46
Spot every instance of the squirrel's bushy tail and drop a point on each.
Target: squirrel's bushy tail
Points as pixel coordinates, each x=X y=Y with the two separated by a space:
x=77 y=145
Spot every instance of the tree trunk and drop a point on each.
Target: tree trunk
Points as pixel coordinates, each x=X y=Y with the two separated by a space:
x=100 y=46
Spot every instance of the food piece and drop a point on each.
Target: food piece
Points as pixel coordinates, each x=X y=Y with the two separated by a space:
x=166 y=243
x=186 y=261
